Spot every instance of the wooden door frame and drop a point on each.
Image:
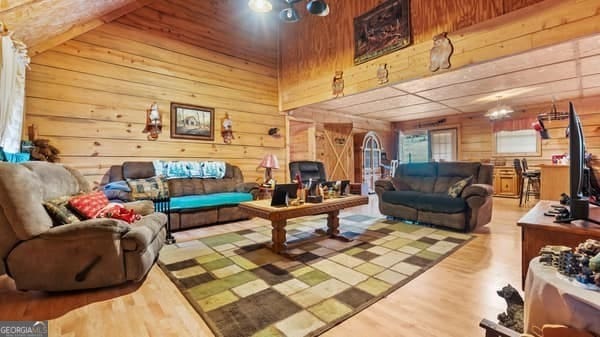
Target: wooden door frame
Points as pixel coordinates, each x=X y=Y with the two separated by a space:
x=312 y=144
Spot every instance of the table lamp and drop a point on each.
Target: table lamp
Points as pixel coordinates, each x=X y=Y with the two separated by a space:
x=269 y=162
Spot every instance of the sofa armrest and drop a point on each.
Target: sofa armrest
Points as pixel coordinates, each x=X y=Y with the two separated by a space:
x=141 y=207
x=143 y=232
x=87 y=228
x=481 y=190
x=383 y=185
x=246 y=187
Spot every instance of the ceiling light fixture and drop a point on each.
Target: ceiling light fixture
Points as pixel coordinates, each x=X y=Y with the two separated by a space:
x=500 y=111
x=290 y=13
x=261 y=6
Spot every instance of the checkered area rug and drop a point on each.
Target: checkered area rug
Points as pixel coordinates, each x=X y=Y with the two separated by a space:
x=242 y=289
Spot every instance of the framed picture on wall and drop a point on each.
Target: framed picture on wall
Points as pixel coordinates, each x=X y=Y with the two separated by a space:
x=382 y=30
x=192 y=122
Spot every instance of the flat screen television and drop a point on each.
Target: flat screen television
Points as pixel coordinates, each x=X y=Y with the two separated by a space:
x=579 y=179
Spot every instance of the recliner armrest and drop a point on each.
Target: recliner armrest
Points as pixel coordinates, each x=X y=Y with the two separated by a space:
x=480 y=190
x=86 y=228
x=141 y=207
x=143 y=232
x=384 y=184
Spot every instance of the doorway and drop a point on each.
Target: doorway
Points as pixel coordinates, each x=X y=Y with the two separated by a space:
x=371 y=160
x=301 y=140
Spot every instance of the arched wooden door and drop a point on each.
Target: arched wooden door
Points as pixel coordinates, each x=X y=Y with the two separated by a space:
x=371 y=163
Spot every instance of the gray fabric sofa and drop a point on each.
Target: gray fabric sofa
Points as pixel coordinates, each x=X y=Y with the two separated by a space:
x=423 y=197
x=196 y=201
x=87 y=254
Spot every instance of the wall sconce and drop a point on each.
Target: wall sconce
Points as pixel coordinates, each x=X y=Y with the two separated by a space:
x=227 y=131
x=153 y=122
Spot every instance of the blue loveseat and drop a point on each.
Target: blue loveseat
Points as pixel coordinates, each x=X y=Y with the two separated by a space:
x=196 y=201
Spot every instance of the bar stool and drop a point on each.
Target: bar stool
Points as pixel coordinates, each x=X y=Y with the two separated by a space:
x=533 y=181
x=521 y=179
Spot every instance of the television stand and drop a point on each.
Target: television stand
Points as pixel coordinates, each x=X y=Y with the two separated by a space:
x=538 y=230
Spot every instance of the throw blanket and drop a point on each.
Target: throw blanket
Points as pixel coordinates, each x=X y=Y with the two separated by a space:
x=190 y=169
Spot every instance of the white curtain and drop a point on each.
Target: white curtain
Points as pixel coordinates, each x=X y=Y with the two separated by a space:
x=14 y=61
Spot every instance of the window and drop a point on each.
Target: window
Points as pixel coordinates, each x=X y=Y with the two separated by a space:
x=424 y=146
x=414 y=147
x=522 y=142
x=443 y=145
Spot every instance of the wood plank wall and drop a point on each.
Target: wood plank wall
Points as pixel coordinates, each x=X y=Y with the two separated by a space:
x=481 y=30
x=383 y=129
x=89 y=95
x=476 y=132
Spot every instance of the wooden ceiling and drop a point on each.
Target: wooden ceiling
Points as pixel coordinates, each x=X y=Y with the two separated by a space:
x=41 y=23
x=565 y=71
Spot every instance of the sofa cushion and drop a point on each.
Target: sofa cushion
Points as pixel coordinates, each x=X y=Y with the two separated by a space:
x=138 y=169
x=456 y=189
x=59 y=212
x=440 y=203
x=209 y=200
x=431 y=202
x=88 y=205
x=458 y=169
x=185 y=186
x=406 y=198
x=420 y=169
x=420 y=184
x=400 y=184
x=149 y=188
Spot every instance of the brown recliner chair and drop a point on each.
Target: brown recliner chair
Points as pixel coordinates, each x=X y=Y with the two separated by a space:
x=88 y=254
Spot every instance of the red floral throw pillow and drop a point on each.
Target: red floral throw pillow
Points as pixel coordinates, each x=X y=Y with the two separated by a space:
x=88 y=205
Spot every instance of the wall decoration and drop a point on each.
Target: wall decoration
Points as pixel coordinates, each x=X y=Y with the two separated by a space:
x=382 y=74
x=337 y=86
x=153 y=122
x=384 y=29
x=227 y=131
x=441 y=52
x=431 y=124
x=274 y=132
x=192 y=122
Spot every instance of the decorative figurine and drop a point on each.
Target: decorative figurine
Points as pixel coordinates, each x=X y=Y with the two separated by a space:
x=513 y=317
x=227 y=131
x=338 y=83
x=441 y=52
x=382 y=74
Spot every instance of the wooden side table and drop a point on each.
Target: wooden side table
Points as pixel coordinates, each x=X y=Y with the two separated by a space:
x=538 y=230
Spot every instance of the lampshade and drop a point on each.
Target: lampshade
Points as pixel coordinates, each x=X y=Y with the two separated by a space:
x=289 y=15
x=261 y=6
x=317 y=7
x=270 y=161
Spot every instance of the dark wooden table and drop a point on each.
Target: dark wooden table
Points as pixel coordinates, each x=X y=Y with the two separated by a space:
x=280 y=215
x=538 y=230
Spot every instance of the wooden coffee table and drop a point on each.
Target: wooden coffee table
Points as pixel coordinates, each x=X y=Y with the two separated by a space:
x=280 y=215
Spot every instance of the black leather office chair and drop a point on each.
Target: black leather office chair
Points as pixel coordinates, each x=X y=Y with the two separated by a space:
x=308 y=170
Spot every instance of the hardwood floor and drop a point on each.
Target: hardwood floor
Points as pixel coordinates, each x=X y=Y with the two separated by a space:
x=448 y=300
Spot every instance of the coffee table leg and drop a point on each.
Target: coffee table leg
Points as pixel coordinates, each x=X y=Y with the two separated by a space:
x=333 y=224
x=278 y=236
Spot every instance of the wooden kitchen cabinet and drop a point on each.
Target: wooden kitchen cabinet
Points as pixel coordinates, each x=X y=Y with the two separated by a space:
x=506 y=182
